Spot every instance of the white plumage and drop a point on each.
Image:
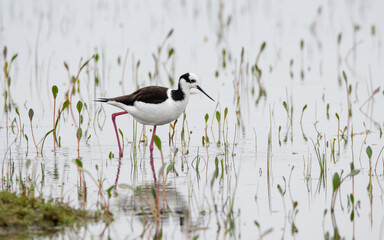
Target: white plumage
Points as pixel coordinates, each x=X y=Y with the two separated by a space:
x=155 y=105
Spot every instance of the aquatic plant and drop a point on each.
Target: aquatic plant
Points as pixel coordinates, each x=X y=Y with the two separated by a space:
x=30 y=115
x=301 y=123
x=205 y=138
x=55 y=91
x=337 y=180
x=75 y=80
x=349 y=103
x=257 y=72
x=218 y=118
x=82 y=188
x=322 y=160
x=289 y=110
x=79 y=132
x=339 y=38
x=7 y=83
x=24 y=216
x=156 y=56
x=172 y=132
x=338 y=132
x=61 y=110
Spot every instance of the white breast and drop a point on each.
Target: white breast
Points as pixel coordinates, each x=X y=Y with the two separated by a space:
x=155 y=114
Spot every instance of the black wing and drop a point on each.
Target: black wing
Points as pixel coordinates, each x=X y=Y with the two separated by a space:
x=152 y=94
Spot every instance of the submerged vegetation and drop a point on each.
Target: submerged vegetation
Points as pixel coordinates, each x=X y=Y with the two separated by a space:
x=23 y=216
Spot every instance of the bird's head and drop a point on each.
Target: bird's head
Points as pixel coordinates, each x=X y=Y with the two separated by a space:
x=190 y=80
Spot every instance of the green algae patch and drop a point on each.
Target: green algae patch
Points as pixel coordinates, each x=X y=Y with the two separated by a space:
x=26 y=216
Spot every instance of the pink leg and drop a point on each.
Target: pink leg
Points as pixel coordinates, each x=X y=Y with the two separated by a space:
x=118 y=173
x=114 y=115
x=151 y=157
x=153 y=169
x=151 y=145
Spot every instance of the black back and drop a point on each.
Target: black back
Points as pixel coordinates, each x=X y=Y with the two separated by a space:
x=151 y=94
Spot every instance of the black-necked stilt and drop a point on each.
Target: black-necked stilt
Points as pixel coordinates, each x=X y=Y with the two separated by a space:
x=155 y=105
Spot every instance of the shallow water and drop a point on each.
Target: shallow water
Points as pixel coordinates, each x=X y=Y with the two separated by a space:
x=202 y=200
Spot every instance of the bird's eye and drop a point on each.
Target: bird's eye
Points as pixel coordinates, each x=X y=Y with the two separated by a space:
x=193 y=81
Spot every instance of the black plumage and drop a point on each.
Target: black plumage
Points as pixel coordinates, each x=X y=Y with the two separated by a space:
x=151 y=94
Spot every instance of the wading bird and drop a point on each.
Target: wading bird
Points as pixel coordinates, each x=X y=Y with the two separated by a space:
x=155 y=105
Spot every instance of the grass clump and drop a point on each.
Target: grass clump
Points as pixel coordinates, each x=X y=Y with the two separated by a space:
x=23 y=216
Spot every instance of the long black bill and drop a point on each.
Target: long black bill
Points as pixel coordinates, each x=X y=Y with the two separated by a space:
x=198 y=87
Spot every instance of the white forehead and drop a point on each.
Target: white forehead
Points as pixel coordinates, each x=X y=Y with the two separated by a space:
x=193 y=76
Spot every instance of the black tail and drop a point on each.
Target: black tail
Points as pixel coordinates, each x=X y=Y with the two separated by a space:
x=101 y=100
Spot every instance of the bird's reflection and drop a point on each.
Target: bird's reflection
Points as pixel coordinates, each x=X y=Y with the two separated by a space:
x=153 y=200
x=147 y=200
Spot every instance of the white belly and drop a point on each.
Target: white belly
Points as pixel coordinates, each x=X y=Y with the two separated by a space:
x=157 y=114
x=154 y=114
